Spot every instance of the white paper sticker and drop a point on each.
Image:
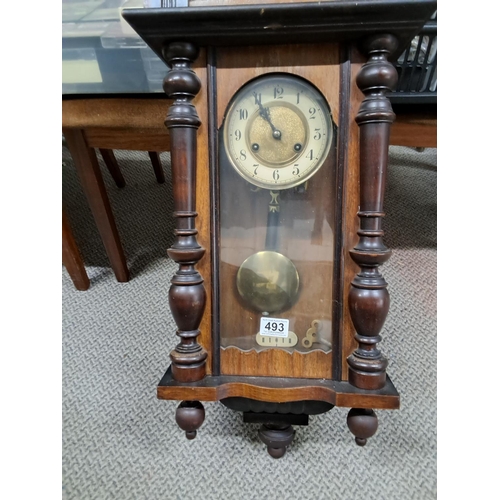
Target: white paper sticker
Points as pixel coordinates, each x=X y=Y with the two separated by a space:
x=274 y=327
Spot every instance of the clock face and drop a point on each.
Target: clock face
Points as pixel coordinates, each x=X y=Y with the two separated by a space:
x=278 y=131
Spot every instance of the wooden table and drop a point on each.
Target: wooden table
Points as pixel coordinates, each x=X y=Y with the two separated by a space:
x=131 y=123
x=415 y=126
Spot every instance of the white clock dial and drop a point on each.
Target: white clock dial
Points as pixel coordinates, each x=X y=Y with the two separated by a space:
x=278 y=131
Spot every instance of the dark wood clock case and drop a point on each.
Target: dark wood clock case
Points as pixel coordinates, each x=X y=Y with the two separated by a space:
x=345 y=49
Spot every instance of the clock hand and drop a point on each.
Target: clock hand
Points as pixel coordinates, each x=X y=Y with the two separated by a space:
x=264 y=112
x=265 y=115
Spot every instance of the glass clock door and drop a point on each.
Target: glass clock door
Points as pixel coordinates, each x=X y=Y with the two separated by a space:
x=277 y=220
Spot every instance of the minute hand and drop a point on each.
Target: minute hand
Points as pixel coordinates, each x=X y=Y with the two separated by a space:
x=265 y=113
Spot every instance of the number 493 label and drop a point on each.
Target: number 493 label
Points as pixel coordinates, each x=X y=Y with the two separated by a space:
x=274 y=327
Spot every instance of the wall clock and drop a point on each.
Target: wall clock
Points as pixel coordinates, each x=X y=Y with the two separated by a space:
x=279 y=127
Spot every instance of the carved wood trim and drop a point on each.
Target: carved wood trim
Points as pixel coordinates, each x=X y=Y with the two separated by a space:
x=368 y=296
x=277 y=363
x=187 y=295
x=283 y=390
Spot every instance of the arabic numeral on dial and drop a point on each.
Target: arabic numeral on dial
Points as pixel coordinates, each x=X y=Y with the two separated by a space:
x=278 y=92
x=258 y=98
x=276 y=175
x=296 y=171
x=310 y=155
x=243 y=114
x=243 y=155
x=237 y=134
x=317 y=135
x=255 y=169
x=312 y=113
x=298 y=97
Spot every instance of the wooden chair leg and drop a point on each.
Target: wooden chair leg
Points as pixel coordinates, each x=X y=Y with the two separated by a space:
x=114 y=169
x=87 y=167
x=71 y=257
x=156 y=162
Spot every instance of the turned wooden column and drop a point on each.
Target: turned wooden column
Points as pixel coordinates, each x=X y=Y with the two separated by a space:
x=368 y=296
x=187 y=294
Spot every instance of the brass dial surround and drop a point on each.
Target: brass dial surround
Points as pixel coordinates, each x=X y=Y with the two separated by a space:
x=278 y=131
x=293 y=129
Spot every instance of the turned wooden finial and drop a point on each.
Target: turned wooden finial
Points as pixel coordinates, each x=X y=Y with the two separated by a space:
x=187 y=295
x=189 y=417
x=363 y=423
x=368 y=297
x=277 y=437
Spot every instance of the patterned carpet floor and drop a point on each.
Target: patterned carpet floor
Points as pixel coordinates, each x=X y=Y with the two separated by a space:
x=120 y=442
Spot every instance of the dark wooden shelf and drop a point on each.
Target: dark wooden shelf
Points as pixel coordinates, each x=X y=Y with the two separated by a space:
x=215 y=388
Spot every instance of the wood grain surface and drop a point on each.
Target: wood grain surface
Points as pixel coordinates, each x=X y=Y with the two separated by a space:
x=414 y=130
x=72 y=258
x=120 y=112
x=351 y=221
x=203 y=221
x=277 y=363
x=316 y=63
x=135 y=124
x=280 y=390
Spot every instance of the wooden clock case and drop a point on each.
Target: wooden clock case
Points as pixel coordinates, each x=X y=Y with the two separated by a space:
x=344 y=48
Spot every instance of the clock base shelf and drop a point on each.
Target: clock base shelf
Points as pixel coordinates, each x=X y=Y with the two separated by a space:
x=284 y=390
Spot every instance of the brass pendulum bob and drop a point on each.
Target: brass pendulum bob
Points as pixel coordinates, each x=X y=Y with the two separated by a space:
x=267 y=280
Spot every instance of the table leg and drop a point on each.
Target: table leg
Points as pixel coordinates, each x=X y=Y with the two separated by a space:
x=71 y=257
x=156 y=162
x=109 y=159
x=88 y=170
